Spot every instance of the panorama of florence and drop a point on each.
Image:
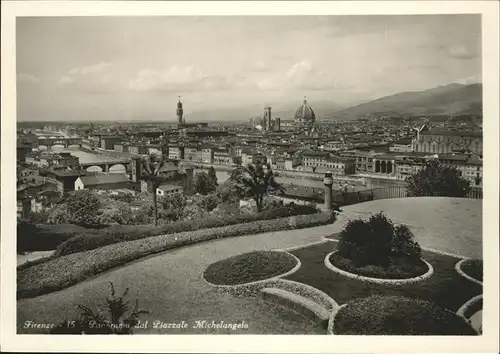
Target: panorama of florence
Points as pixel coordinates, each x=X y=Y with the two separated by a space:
x=250 y=175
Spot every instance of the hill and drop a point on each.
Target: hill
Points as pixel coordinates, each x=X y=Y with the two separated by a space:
x=453 y=99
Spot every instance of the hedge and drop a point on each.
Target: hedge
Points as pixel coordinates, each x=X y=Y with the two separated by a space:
x=65 y=271
x=89 y=240
x=397 y=315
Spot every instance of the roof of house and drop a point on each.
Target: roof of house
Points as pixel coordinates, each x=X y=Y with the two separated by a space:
x=452 y=133
x=97 y=179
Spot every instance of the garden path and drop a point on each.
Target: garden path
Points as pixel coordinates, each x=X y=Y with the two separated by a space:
x=171 y=287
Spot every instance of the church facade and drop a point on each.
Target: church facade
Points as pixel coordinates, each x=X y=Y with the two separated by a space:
x=447 y=141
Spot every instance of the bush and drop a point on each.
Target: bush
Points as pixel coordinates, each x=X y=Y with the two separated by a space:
x=397 y=315
x=83 y=208
x=437 y=180
x=98 y=238
x=70 y=269
x=377 y=242
x=249 y=267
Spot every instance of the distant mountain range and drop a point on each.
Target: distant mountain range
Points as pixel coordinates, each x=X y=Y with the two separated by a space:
x=453 y=99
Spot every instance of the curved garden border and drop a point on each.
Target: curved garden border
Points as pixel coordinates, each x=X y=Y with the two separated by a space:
x=458 y=268
x=251 y=288
x=335 y=269
x=465 y=307
x=331 y=321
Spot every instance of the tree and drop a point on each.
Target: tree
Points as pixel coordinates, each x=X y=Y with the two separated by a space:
x=153 y=165
x=83 y=208
x=437 y=180
x=212 y=176
x=173 y=205
x=256 y=181
x=203 y=184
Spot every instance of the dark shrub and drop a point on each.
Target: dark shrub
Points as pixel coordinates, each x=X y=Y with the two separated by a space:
x=397 y=315
x=377 y=242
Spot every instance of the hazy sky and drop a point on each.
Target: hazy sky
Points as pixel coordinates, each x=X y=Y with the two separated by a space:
x=119 y=68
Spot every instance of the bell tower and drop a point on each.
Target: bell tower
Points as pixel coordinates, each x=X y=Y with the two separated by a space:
x=180 y=111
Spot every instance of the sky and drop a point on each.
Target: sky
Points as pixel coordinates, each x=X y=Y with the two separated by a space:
x=105 y=68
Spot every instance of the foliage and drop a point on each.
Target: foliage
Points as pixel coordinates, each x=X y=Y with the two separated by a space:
x=117 y=319
x=212 y=176
x=437 y=180
x=208 y=202
x=64 y=271
x=228 y=192
x=270 y=203
x=203 y=184
x=249 y=267
x=83 y=208
x=98 y=238
x=256 y=181
x=173 y=206
x=377 y=242
x=397 y=315
x=154 y=166
x=58 y=214
x=117 y=212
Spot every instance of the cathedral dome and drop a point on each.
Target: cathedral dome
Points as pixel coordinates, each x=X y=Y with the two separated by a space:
x=305 y=114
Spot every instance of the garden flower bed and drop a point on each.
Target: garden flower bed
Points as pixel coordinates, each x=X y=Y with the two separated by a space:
x=396 y=315
x=249 y=267
x=446 y=288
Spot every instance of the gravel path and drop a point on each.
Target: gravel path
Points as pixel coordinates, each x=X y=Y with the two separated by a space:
x=170 y=284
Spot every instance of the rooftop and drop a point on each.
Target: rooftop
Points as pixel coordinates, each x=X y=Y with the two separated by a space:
x=104 y=179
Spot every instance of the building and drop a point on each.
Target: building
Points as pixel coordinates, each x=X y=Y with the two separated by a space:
x=305 y=117
x=470 y=167
x=319 y=161
x=222 y=157
x=192 y=154
x=364 y=159
x=21 y=151
x=207 y=155
x=447 y=141
x=287 y=125
x=108 y=142
x=180 y=112
x=103 y=181
x=166 y=189
x=154 y=149
x=121 y=147
x=175 y=152
x=138 y=149
x=401 y=145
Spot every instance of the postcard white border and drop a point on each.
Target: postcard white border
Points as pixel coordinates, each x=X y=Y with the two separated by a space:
x=488 y=342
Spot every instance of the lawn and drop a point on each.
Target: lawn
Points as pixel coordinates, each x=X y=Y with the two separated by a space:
x=446 y=288
x=249 y=267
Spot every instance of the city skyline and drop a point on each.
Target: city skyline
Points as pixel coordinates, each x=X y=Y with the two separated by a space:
x=135 y=68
